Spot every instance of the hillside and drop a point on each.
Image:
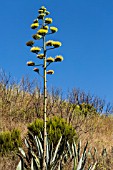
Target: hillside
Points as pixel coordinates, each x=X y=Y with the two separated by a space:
x=21 y=104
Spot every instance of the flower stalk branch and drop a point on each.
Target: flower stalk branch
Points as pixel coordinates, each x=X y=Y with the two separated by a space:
x=42 y=24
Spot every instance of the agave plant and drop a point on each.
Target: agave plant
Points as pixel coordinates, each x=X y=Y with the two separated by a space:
x=33 y=159
x=79 y=158
x=57 y=157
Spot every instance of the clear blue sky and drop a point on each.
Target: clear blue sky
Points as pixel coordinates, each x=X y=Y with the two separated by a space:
x=86 y=33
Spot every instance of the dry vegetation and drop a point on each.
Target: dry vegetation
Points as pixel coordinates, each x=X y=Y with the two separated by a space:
x=21 y=103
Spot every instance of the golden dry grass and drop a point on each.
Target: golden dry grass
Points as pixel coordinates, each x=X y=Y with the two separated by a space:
x=18 y=109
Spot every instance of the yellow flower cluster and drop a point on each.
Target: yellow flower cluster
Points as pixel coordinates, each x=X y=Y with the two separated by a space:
x=36 y=70
x=34 y=25
x=53 y=43
x=40 y=11
x=41 y=16
x=35 y=49
x=57 y=44
x=43 y=8
x=42 y=32
x=49 y=43
x=47 y=12
x=30 y=43
x=53 y=29
x=50 y=59
x=35 y=21
x=50 y=72
x=37 y=36
x=45 y=27
x=48 y=20
x=40 y=56
x=30 y=63
x=58 y=58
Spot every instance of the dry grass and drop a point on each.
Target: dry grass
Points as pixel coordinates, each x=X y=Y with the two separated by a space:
x=99 y=134
x=18 y=108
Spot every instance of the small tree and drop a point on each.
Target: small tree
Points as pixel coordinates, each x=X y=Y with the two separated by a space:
x=42 y=22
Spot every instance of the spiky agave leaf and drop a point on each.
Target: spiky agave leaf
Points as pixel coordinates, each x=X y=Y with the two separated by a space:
x=81 y=159
x=78 y=150
x=59 y=165
x=27 y=143
x=47 y=151
x=22 y=152
x=21 y=165
x=92 y=167
x=81 y=162
x=51 y=151
x=33 y=164
x=69 y=150
x=36 y=161
x=74 y=148
x=39 y=146
x=56 y=149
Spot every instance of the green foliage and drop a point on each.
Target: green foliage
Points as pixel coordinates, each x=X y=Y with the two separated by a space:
x=9 y=141
x=56 y=127
x=85 y=109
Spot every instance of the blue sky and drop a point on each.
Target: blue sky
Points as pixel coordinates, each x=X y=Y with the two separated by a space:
x=86 y=33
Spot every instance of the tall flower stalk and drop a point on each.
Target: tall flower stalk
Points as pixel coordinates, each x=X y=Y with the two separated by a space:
x=42 y=25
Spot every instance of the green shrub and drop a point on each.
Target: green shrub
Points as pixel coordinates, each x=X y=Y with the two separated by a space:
x=56 y=127
x=86 y=109
x=9 y=141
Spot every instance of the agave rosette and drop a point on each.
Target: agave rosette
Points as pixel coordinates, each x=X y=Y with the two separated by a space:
x=48 y=20
x=42 y=31
x=53 y=29
x=40 y=56
x=35 y=49
x=30 y=63
x=50 y=72
x=34 y=25
x=58 y=58
x=30 y=43
x=50 y=59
